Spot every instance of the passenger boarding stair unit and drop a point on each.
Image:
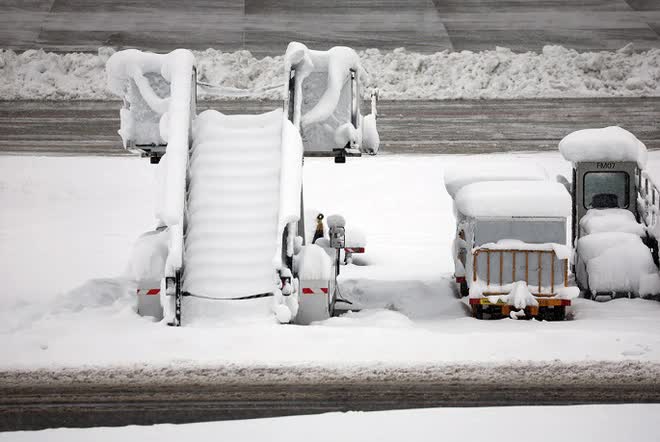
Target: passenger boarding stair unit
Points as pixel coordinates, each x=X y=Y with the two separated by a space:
x=228 y=191
x=229 y=206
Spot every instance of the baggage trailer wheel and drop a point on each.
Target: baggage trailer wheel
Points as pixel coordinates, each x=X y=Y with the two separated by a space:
x=478 y=311
x=557 y=313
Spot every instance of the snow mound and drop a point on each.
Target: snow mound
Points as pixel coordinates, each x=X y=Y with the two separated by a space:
x=606 y=144
x=618 y=262
x=402 y=75
x=458 y=177
x=147 y=261
x=513 y=198
x=370 y=318
x=519 y=297
x=314 y=263
x=611 y=220
x=93 y=294
x=336 y=221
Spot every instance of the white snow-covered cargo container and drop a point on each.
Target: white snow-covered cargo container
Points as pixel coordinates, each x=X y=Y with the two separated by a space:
x=615 y=214
x=510 y=250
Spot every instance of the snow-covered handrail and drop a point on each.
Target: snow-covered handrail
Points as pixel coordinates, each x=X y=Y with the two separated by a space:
x=176 y=113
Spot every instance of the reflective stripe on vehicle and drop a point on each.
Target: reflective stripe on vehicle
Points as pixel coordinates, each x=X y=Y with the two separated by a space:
x=148 y=292
x=543 y=302
x=310 y=291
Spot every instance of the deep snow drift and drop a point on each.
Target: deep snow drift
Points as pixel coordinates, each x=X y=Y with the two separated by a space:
x=67 y=220
x=604 y=423
x=554 y=72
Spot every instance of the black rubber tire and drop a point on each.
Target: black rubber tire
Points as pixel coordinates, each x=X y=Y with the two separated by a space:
x=463 y=289
x=557 y=314
x=478 y=311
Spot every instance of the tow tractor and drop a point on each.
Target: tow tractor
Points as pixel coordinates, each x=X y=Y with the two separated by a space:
x=614 y=219
x=229 y=209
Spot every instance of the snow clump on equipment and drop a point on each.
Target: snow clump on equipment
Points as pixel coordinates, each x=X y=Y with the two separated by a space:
x=617 y=261
x=606 y=144
x=458 y=177
x=513 y=198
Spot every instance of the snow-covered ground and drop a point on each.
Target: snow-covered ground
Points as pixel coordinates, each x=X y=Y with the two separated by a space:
x=70 y=222
x=601 y=423
x=554 y=72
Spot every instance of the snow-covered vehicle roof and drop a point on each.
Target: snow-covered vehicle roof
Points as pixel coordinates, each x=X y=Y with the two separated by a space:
x=513 y=199
x=611 y=220
x=457 y=178
x=611 y=143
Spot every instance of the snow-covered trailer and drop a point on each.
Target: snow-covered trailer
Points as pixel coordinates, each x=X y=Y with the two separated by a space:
x=510 y=248
x=614 y=216
x=229 y=198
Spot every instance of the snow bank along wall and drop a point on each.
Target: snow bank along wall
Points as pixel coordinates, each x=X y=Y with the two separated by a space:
x=402 y=75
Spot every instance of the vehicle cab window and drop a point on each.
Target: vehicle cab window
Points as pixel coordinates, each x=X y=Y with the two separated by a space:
x=606 y=190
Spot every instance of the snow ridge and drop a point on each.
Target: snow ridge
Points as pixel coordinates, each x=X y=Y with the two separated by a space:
x=556 y=71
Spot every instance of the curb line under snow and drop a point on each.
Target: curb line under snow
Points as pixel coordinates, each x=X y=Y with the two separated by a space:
x=556 y=372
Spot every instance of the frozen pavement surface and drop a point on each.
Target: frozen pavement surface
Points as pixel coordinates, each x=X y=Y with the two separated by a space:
x=265 y=27
x=423 y=126
x=70 y=222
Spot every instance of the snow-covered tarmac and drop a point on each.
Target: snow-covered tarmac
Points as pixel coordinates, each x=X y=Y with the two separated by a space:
x=70 y=220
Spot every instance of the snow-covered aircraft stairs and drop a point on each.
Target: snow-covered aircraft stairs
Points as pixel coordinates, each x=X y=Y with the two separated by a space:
x=233 y=198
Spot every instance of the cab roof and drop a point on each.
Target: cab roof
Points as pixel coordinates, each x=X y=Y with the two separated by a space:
x=611 y=143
